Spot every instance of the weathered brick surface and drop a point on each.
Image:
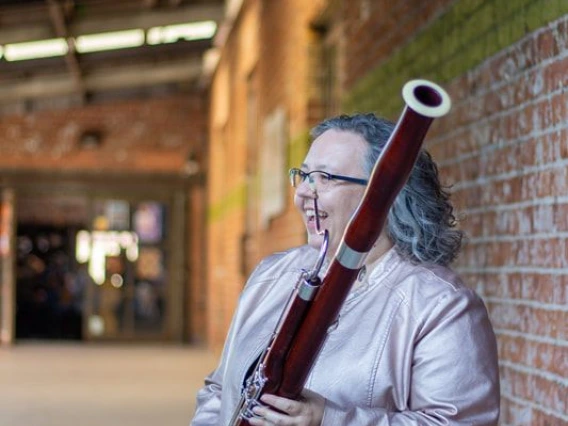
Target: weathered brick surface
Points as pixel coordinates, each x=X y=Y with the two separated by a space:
x=266 y=54
x=506 y=158
x=503 y=148
x=147 y=136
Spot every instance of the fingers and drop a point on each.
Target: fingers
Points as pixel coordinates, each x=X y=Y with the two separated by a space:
x=288 y=415
x=269 y=418
x=286 y=412
x=287 y=406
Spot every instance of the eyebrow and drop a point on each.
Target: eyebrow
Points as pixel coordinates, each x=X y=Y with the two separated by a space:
x=321 y=167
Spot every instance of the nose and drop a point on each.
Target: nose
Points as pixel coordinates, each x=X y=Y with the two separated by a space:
x=305 y=189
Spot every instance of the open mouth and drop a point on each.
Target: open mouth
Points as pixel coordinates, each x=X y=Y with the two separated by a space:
x=311 y=215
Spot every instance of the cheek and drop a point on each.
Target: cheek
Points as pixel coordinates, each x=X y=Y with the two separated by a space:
x=297 y=202
x=348 y=210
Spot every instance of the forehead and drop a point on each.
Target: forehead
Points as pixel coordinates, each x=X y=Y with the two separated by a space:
x=337 y=151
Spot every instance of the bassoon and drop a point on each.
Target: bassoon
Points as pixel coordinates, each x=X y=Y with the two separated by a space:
x=314 y=305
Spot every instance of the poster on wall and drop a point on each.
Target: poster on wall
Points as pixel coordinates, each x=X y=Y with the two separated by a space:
x=149 y=265
x=111 y=215
x=148 y=218
x=273 y=166
x=118 y=214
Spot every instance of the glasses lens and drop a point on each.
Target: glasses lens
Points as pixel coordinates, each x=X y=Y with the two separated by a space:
x=317 y=180
x=295 y=177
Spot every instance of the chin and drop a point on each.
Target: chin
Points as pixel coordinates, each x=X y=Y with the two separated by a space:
x=315 y=240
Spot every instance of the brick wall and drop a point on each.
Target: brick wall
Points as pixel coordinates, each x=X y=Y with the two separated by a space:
x=196 y=291
x=503 y=148
x=507 y=157
x=253 y=80
x=148 y=136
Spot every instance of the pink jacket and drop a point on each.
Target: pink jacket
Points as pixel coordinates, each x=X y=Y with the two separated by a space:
x=413 y=346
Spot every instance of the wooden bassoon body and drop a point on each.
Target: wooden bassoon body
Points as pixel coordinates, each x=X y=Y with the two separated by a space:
x=314 y=305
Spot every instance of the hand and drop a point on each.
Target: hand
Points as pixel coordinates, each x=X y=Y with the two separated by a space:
x=306 y=412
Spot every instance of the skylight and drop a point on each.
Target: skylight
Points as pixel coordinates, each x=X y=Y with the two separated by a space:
x=100 y=42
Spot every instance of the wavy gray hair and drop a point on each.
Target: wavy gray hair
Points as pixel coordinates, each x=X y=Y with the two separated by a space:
x=421 y=222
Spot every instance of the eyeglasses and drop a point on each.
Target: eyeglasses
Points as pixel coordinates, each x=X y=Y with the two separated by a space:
x=322 y=180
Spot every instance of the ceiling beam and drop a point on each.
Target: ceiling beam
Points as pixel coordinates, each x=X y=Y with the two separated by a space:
x=103 y=80
x=150 y=3
x=148 y=18
x=143 y=18
x=58 y=19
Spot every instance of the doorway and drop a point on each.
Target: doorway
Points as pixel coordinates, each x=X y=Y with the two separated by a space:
x=97 y=267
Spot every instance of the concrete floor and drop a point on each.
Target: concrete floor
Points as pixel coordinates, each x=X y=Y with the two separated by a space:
x=46 y=384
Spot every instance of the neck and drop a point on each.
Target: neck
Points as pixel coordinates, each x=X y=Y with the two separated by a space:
x=382 y=245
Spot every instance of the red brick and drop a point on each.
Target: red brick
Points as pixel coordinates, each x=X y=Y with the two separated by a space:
x=546 y=419
x=149 y=135
x=502 y=147
x=513 y=413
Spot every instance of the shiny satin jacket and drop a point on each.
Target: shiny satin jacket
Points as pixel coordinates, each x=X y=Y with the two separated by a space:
x=413 y=346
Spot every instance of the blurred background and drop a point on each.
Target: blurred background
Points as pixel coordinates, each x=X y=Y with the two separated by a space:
x=144 y=147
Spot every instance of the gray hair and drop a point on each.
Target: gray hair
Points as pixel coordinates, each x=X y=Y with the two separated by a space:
x=421 y=222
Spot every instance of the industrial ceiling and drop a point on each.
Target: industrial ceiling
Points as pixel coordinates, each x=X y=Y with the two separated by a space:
x=77 y=78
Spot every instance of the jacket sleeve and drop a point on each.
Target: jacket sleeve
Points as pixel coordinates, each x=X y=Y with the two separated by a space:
x=454 y=372
x=208 y=401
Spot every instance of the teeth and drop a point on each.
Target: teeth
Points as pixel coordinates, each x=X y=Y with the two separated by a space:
x=310 y=213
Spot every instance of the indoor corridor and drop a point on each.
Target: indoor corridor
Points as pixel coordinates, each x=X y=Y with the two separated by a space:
x=64 y=384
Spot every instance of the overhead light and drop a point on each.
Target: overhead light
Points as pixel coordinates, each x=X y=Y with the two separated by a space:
x=172 y=33
x=109 y=41
x=36 y=49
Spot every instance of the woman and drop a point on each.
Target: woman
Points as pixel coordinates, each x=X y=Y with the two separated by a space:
x=412 y=346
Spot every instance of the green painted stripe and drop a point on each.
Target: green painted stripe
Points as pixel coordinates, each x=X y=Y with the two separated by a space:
x=468 y=33
x=235 y=199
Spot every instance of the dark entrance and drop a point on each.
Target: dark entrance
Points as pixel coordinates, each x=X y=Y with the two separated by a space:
x=49 y=287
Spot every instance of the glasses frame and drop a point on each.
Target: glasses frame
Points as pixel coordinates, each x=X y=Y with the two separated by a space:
x=306 y=175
